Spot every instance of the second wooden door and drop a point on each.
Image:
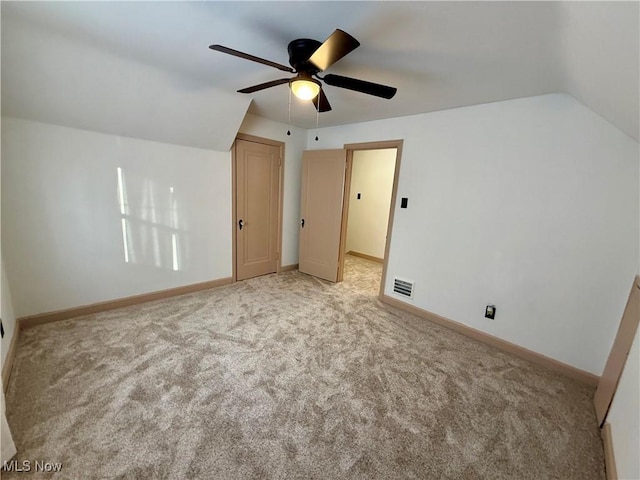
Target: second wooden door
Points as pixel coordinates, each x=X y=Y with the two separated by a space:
x=323 y=173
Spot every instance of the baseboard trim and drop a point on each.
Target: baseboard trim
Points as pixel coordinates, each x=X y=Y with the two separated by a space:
x=365 y=256
x=11 y=355
x=42 y=318
x=609 y=458
x=289 y=268
x=518 y=351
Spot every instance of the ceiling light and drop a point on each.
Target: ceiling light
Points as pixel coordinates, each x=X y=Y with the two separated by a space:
x=305 y=88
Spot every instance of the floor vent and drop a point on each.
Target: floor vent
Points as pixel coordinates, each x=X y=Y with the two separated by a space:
x=403 y=287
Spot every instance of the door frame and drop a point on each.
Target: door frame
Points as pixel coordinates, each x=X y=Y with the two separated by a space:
x=618 y=356
x=350 y=148
x=234 y=200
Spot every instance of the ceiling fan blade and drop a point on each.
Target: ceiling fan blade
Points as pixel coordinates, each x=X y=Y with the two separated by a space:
x=253 y=58
x=333 y=49
x=360 y=86
x=262 y=86
x=325 y=106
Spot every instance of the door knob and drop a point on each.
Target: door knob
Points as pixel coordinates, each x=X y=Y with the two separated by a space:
x=302 y=223
x=240 y=224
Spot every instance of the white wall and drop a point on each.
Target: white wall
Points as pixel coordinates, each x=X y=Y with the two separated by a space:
x=294 y=146
x=8 y=315
x=624 y=417
x=6 y=307
x=62 y=235
x=531 y=204
x=372 y=177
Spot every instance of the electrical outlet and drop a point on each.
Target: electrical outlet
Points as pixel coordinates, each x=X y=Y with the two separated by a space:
x=490 y=312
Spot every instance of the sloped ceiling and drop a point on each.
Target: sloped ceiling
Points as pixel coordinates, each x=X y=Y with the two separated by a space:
x=50 y=78
x=144 y=69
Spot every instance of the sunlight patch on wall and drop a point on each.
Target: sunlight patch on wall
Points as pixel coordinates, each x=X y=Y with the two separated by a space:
x=121 y=192
x=125 y=241
x=149 y=222
x=174 y=246
x=173 y=223
x=151 y=237
x=123 y=212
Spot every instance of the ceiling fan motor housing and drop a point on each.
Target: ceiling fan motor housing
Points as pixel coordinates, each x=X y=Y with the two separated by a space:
x=300 y=51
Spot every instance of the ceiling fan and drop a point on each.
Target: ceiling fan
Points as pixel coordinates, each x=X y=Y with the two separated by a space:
x=308 y=58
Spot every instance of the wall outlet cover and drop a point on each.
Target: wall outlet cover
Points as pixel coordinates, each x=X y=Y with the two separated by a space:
x=490 y=312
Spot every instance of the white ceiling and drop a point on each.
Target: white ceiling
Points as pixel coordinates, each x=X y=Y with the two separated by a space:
x=439 y=55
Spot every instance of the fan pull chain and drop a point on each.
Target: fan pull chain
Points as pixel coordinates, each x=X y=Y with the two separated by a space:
x=289 y=123
x=317 y=116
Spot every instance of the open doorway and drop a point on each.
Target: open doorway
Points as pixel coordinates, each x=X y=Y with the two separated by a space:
x=369 y=201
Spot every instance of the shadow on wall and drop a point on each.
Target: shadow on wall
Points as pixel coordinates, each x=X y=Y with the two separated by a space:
x=151 y=230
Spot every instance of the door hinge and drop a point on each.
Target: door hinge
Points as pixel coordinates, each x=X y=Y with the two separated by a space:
x=280 y=162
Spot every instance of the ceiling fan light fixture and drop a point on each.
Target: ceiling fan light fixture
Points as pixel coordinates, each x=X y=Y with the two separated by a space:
x=305 y=88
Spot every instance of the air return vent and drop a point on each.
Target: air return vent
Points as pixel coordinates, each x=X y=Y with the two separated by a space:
x=403 y=287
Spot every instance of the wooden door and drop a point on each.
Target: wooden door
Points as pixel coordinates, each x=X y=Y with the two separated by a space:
x=257 y=208
x=323 y=174
x=619 y=352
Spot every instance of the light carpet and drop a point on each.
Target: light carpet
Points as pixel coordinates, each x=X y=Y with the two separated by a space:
x=288 y=376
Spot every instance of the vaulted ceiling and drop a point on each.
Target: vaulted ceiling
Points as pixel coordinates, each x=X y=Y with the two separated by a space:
x=439 y=55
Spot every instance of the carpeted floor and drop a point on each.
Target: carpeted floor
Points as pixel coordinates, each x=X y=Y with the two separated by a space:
x=287 y=376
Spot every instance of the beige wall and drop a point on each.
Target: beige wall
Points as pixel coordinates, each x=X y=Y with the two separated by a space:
x=372 y=177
